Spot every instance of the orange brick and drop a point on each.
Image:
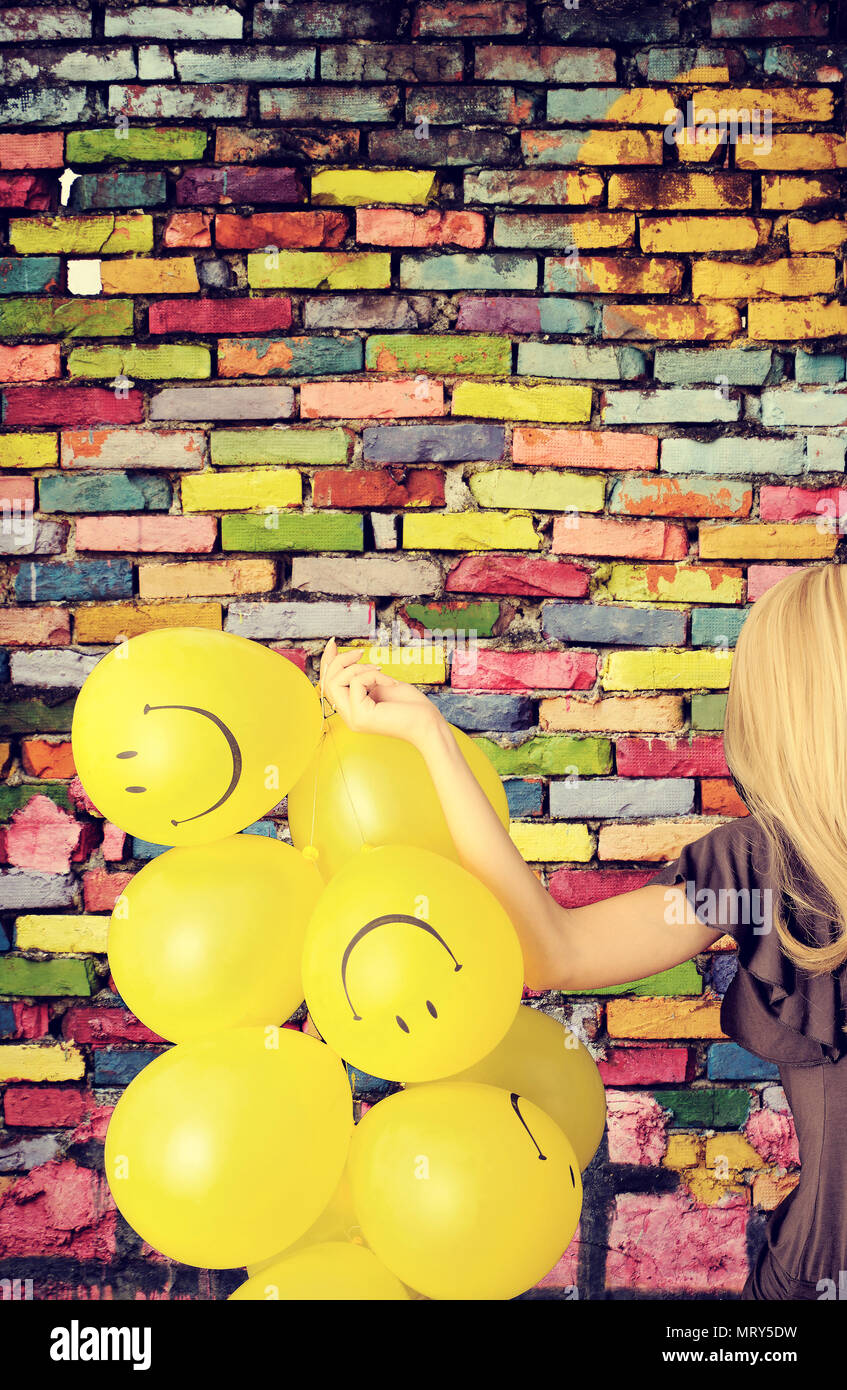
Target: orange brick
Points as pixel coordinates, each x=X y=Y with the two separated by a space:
x=401 y=227
x=632 y=714
x=188 y=229
x=718 y=797
x=687 y=322
x=368 y=400
x=42 y=150
x=205 y=578
x=642 y=540
x=606 y=449
x=668 y=1017
x=44 y=759
x=44 y=626
x=30 y=362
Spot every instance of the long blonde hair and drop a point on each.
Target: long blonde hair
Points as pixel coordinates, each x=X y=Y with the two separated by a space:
x=786 y=744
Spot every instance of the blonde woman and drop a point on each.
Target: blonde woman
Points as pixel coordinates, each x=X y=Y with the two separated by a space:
x=776 y=881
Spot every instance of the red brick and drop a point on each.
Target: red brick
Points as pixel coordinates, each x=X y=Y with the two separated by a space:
x=219 y=315
x=59 y=1211
x=644 y=1066
x=523 y=671
x=378 y=487
x=697 y=756
x=45 y=1107
x=760 y=578
x=188 y=229
x=521 y=575
x=99 y=1026
x=799 y=503
x=399 y=227
x=578 y=887
x=35 y=192
x=101 y=890
x=71 y=406
x=280 y=229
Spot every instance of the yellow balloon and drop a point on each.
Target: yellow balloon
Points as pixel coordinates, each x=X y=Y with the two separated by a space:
x=326 y=1272
x=337 y=1222
x=376 y=790
x=464 y=1191
x=542 y=1060
x=225 y=1150
x=182 y=736
x=211 y=936
x=411 y=967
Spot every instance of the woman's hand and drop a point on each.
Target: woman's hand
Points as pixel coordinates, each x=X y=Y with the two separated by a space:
x=370 y=702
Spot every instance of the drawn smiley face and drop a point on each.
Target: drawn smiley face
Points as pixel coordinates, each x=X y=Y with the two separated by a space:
x=410 y=965
x=183 y=736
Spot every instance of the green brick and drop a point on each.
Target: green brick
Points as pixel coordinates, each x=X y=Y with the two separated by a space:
x=542 y=490
x=233 y=447
x=172 y=360
x=709 y=1107
x=459 y=354
x=455 y=617
x=66 y=318
x=319 y=270
x=12 y=799
x=682 y=979
x=708 y=712
x=552 y=754
x=105 y=234
x=276 y=531
x=45 y=978
x=113 y=146
x=35 y=717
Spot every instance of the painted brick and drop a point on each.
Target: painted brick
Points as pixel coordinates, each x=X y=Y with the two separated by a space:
x=82 y=235
x=480 y=272
x=223 y=403
x=449 y=443
x=704 y=233
x=674 y=584
x=599 y=147
x=396 y=227
x=144 y=144
x=728 y=456
x=146 y=533
x=766 y=542
x=66 y=318
x=663 y=496
x=734 y=366
x=205 y=579
x=584 y=231
x=450 y=146
x=319 y=270
x=505 y=314
x=311 y=531
x=71 y=406
x=261 y=230
x=469 y=531
x=685 y=406
x=158 y=101
x=375 y=62
x=377 y=487
x=505 y=402
x=585 y=449
x=288 y=356
x=330 y=103
x=528 y=186
x=519 y=575
x=606 y=624
x=604 y=536
x=278 y=446
x=118 y=621
x=434 y=20
x=682 y=321
x=368 y=399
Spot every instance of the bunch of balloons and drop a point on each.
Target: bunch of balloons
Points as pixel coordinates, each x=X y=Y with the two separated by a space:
x=236 y=1147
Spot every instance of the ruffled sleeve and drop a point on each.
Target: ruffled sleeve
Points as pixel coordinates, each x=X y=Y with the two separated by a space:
x=771 y=1007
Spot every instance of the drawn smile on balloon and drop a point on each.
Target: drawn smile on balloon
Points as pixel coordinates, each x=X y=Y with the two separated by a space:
x=515 y=1099
x=364 y=931
x=234 y=749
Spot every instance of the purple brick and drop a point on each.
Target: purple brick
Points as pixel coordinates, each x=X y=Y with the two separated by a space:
x=236 y=184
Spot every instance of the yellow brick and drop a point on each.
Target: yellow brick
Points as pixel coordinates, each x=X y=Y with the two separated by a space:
x=769 y=1189
x=708 y=1190
x=663 y=1018
x=241 y=489
x=205 y=578
x=417 y=665
x=642 y=106
x=699 y=151
x=781 y=191
x=797 y=275
x=41 y=1062
x=642 y=714
x=544 y=403
x=139 y=275
x=805 y=237
x=542 y=490
x=362 y=187
x=106 y=234
x=666 y=670
x=552 y=844
x=81 y=935
x=824 y=151
x=652 y=843
x=671 y=584
x=674 y=190
x=29 y=450
x=731 y=1151
x=601 y=147
x=703 y=233
x=469 y=531
x=754 y=540
x=784 y=105
x=110 y=623
x=695 y=322
x=324 y=270
x=685 y=1148
x=801 y=318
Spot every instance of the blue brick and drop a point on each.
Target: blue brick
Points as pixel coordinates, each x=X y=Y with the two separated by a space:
x=569 y=316
x=729 y=1062
x=525 y=798
x=104 y=492
x=29 y=274
x=4 y=676
x=77 y=580
x=7 y=1021
x=143 y=849
x=716 y=627
x=362 y=1083
x=266 y=828
x=722 y=968
x=433 y=443
x=118 y=188
x=481 y=714
x=608 y=624
x=621 y=798
x=116 y=1066
x=818 y=368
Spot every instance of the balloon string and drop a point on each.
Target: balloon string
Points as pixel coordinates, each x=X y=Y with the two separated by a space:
x=326 y=728
x=350 y=796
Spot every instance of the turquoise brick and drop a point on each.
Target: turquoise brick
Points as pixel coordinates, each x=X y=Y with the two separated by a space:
x=569 y=315
x=27 y=274
x=472 y=272
x=104 y=492
x=716 y=627
x=119 y=188
x=319 y=356
x=580 y=363
x=818 y=368
x=736 y=366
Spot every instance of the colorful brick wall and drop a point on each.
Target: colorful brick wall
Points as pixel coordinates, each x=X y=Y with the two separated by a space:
x=321 y=315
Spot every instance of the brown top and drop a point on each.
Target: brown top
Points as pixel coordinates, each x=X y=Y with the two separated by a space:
x=797 y=1020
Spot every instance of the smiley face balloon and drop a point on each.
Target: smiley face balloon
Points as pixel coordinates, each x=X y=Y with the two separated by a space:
x=411 y=968
x=182 y=736
x=464 y=1191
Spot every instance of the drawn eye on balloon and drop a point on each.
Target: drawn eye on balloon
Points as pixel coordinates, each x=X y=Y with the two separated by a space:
x=232 y=744
x=388 y=919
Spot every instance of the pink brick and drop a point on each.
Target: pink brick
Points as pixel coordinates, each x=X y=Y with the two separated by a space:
x=563 y=1275
x=156 y=534
x=101 y=890
x=58 y=1210
x=760 y=578
x=523 y=671
x=84 y=1023
x=371 y=400
x=560 y=448
x=43 y=150
x=644 y=1066
x=44 y=626
x=641 y=540
x=31 y=1021
x=114 y=842
x=80 y=798
x=697 y=756
x=800 y=503
x=16 y=491
x=75 y=407
x=669 y=1244
x=30 y=362
x=636 y=1128
x=399 y=227
x=772 y=1134
x=298 y=656
x=577 y=887
x=41 y=836
x=519 y=575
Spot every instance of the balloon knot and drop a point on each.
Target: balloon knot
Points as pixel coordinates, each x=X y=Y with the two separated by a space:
x=311 y=853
